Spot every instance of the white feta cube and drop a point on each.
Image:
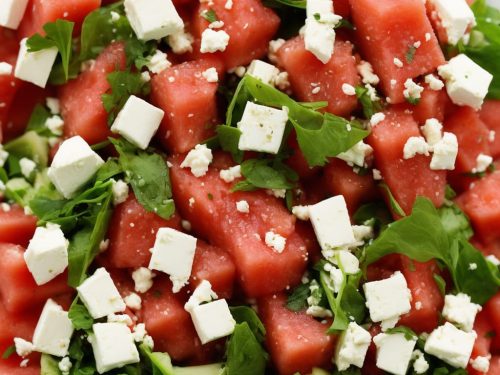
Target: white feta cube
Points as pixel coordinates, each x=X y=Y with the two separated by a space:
x=113 y=346
x=263 y=71
x=203 y=293
x=460 y=310
x=331 y=223
x=27 y=166
x=432 y=131
x=456 y=17
x=357 y=154
x=173 y=253
x=482 y=163
x=5 y=68
x=213 y=320
x=388 y=298
x=11 y=13
x=352 y=347
x=138 y=121
x=262 y=128
x=213 y=41
x=451 y=344
x=445 y=152
x=143 y=279
x=35 y=67
x=100 y=295
x=181 y=42
x=47 y=254
x=347 y=261
x=74 y=164
x=198 y=160
x=153 y=19
x=466 y=82
x=394 y=352
x=53 y=331
x=319 y=39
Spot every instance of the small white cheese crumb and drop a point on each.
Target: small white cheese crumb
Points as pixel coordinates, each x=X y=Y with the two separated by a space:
x=274 y=46
x=198 y=160
x=65 y=365
x=377 y=176
x=365 y=69
x=203 y=293
x=114 y=16
x=120 y=191
x=145 y=76
x=27 y=166
x=133 y=301
x=23 y=347
x=139 y=332
x=275 y=241
x=432 y=131
x=5 y=69
x=143 y=279
x=418 y=305
x=181 y=42
x=412 y=90
x=377 y=118
x=348 y=89
x=493 y=259
x=278 y=193
x=243 y=207
x=434 y=83
x=301 y=212
x=398 y=62
x=211 y=75
x=55 y=124
x=230 y=174
x=158 y=62
x=491 y=136
x=229 y=5
x=120 y=318
x=24 y=363
x=4 y=206
x=191 y=201
x=427 y=37
x=103 y=245
x=216 y=25
x=53 y=105
x=316 y=90
x=213 y=41
x=482 y=163
x=472 y=266
x=281 y=81
x=414 y=146
x=480 y=363
x=420 y=365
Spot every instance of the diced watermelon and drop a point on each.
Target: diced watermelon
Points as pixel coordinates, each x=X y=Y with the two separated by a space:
x=493 y=309
x=409 y=178
x=472 y=135
x=20 y=324
x=132 y=234
x=8 y=88
x=16 y=227
x=432 y=104
x=494 y=365
x=297 y=341
x=39 y=12
x=213 y=264
x=370 y=364
x=81 y=104
x=341 y=7
x=9 y=44
x=297 y=160
x=484 y=329
x=241 y=234
x=423 y=317
x=482 y=205
x=307 y=73
x=384 y=267
x=250 y=26
x=490 y=115
x=340 y=179
x=18 y=289
x=12 y=366
x=386 y=30
x=189 y=102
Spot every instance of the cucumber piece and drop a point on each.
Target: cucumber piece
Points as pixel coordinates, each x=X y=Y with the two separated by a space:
x=319 y=371
x=212 y=369
x=30 y=145
x=49 y=365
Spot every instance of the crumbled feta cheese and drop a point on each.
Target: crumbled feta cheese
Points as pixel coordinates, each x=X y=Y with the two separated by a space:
x=99 y=294
x=120 y=191
x=482 y=163
x=230 y=174
x=173 y=253
x=5 y=69
x=348 y=89
x=394 y=352
x=202 y=294
x=472 y=266
x=493 y=259
x=445 y=152
x=55 y=124
x=377 y=118
x=352 y=347
x=120 y=318
x=53 y=105
x=133 y=301
x=23 y=348
x=432 y=131
x=388 y=298
x=466 y=82
x=114 y=16
x=336 y=278
x=481 y=363
x=65 y=365
x=414 y=146
x=27 y=166
x=346 y=261
x=282 y=82
x=263 y=71
x=158 y=62
x=357 y=154
x=301 y=212
x=362 y=232
x=491 y=136
x=456 y=17
x=35 y=67
x=181 y=42
x=451 y=344
x=277 y=193
x=243 y=207
x=377 y=175
x=262 y=128
x=103 y=245
x=412 y=90
x=434 y=83
x=318 y=312
x=216 y=25
x=212 y=320
x=139 y=332
x=211 y=75
x=420 y=364
x=213 y=41
x=228 y=5
x=275 y=241
x=239 y=71
x=3 y=156
x=398 y=62
x=274 y=46
x=365 y=69
x=460 y=310
x=198 y=160
x=143 y=279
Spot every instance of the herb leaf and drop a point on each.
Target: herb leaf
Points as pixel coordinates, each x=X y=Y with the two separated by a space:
x=298 y=299
x=370 y=107
x=301 y=4
x=80 y=316
x=408 y=332
x=246 y=314
x=395 y=207
x=210 y=15
x=49 y=365
x=266 y=174
x=410 y=54
x=245 y=355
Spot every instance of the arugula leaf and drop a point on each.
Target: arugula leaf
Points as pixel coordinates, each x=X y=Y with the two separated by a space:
x=298 y=299
x=266 y=174
x=440 y=282
x=410 y=54
x=149 y=176
x=370 y=107
x=49 y=365
x=80 y=316
x=210 y=15
x=160 y=363
x=408 y=332
x=455 y=222
x=8 y=352
x=245 y=355
x=375 y=213
x=30 y=145
x=246 y=314
x=37 y=121
x=58 y=34
x=301 y=4
x=396 y=208
x=228 y=139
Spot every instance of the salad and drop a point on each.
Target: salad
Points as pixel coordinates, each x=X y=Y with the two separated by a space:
x=249 y=187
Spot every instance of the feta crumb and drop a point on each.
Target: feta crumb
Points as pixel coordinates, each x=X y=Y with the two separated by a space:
x=420 y=365
x=55 y=124
x=427 y=37
x=460 y=310
x=27 y=166
x=480 y=363
x=120 y=318
x=377 y=175
x=445 y=152
x=482 y=163
x=491 y=136
x=348 y=89
x=133 y=301
x=412 y=90
x=158 y=62
x=377 y=118
x=211 y=75
x=5 y=69
x=65 y=365
x=23 y=347
x=398 y=62
x=472 y=266
x=357 y=154
x=432 y=131
x=336 y=278
x=114 y=16
x=414 y=146
x=493 y=259
x=318 y=312
x=216 y=25
x=275 y=241
x=278 y=193
x=53 y=105
x=274 y=46
x=145 y=76
x=418 y=305
x=186 y=225
x=120 y=191
x=198 y=160
x=434 y=83
x=202 y=294
x=213 y=41
x=24 y=363
x=230 y=174
x=301 y=212
x=181 y=42
x=139 y=332
x=229 y=5
x=365 y=69
x=143 y=279
x=316 y=90
x=243 y=207
x=103 y=245
x=281 y=81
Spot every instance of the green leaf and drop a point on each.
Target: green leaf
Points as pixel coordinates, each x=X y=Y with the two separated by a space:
x=210 y=15
x=370 y=107
x=108 y=170
x=246 y=314
x=266 y=174
x=298 y=299
x=80 y=316
x=396 y=208
x=8 y=352
x=441 y=283
x=160 y=362
x=301 y=4
x=49 y=365
x=410 y=54
x=408 y=332
x=149 y=176
x=455 y=222
x=229 y=138
x=245 y=355
x=37 y=121
x=375 y=213
x=30 y=145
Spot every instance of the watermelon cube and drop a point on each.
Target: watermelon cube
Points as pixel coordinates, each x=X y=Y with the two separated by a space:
x=489 y=114
x=15 y=226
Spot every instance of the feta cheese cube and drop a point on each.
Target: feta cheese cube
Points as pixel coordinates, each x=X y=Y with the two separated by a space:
x=319 y=39
x=460 y=310
x=331 y=223
x=53 y=331
x=27 y=166
x=5 y=68
x=432 y=131
x=143 y=279
x=388 y=298
x=352 y=347
x=275 y=241
x=11 y=13
x=113 y=346
x=445 y=152
x=482 y=163
x=138 y=121
x=347 y=261
x=203 y=293
x=74 y=164
x=173 y=253
x=213 y=320
x=263 y=71
x=35 y=67
x=466 y=82
x=213 y=41
x=99 y=295
x=153 y=19
x=47 y=254
x=356 y=154
x=451 y=344
x=230 y=174
x=456 y=17
x=394 y=352
x=211 y=75
x=414 y=146
x=181 y=42
x=262 y=128
x=198 y=160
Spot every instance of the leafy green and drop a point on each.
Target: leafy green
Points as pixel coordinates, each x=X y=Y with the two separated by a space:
x=30 y=145
x=301 y=4
x=210 y=15
x=395 y=207
x=370 y=107
x=49 y=365
x=374 y=213
x=410 y=54
x=408 y=332
x=228 y=140
x=245 y=355
x=455 y=222
x=440 y=282
x=161 y=363
x=266 y=174
x=148 y=174
x=80 y=316
x=246 y=314
x=37 y=121
x=298 y=299
x=8 y=352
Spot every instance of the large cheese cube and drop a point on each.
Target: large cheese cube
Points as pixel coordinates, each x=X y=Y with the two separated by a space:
x=113 y=346
x=173 y=253
x=263 y=71
x=460 y=310
x=47 y=253
x=35 y=67
x=153 y=19
x=53 y=331
x=262 y=128
x=456 y=17
x=352 y=347
x=74 y=164
x=331 y=223
x=466 y=82
x=394 y=352
x=138 y=121
x=100 y=296
x=213 y=320
x=451 y=345
x=11 y=12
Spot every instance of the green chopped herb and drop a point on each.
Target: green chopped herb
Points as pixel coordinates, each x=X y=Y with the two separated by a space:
x=410 y=54
x=210 y=15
